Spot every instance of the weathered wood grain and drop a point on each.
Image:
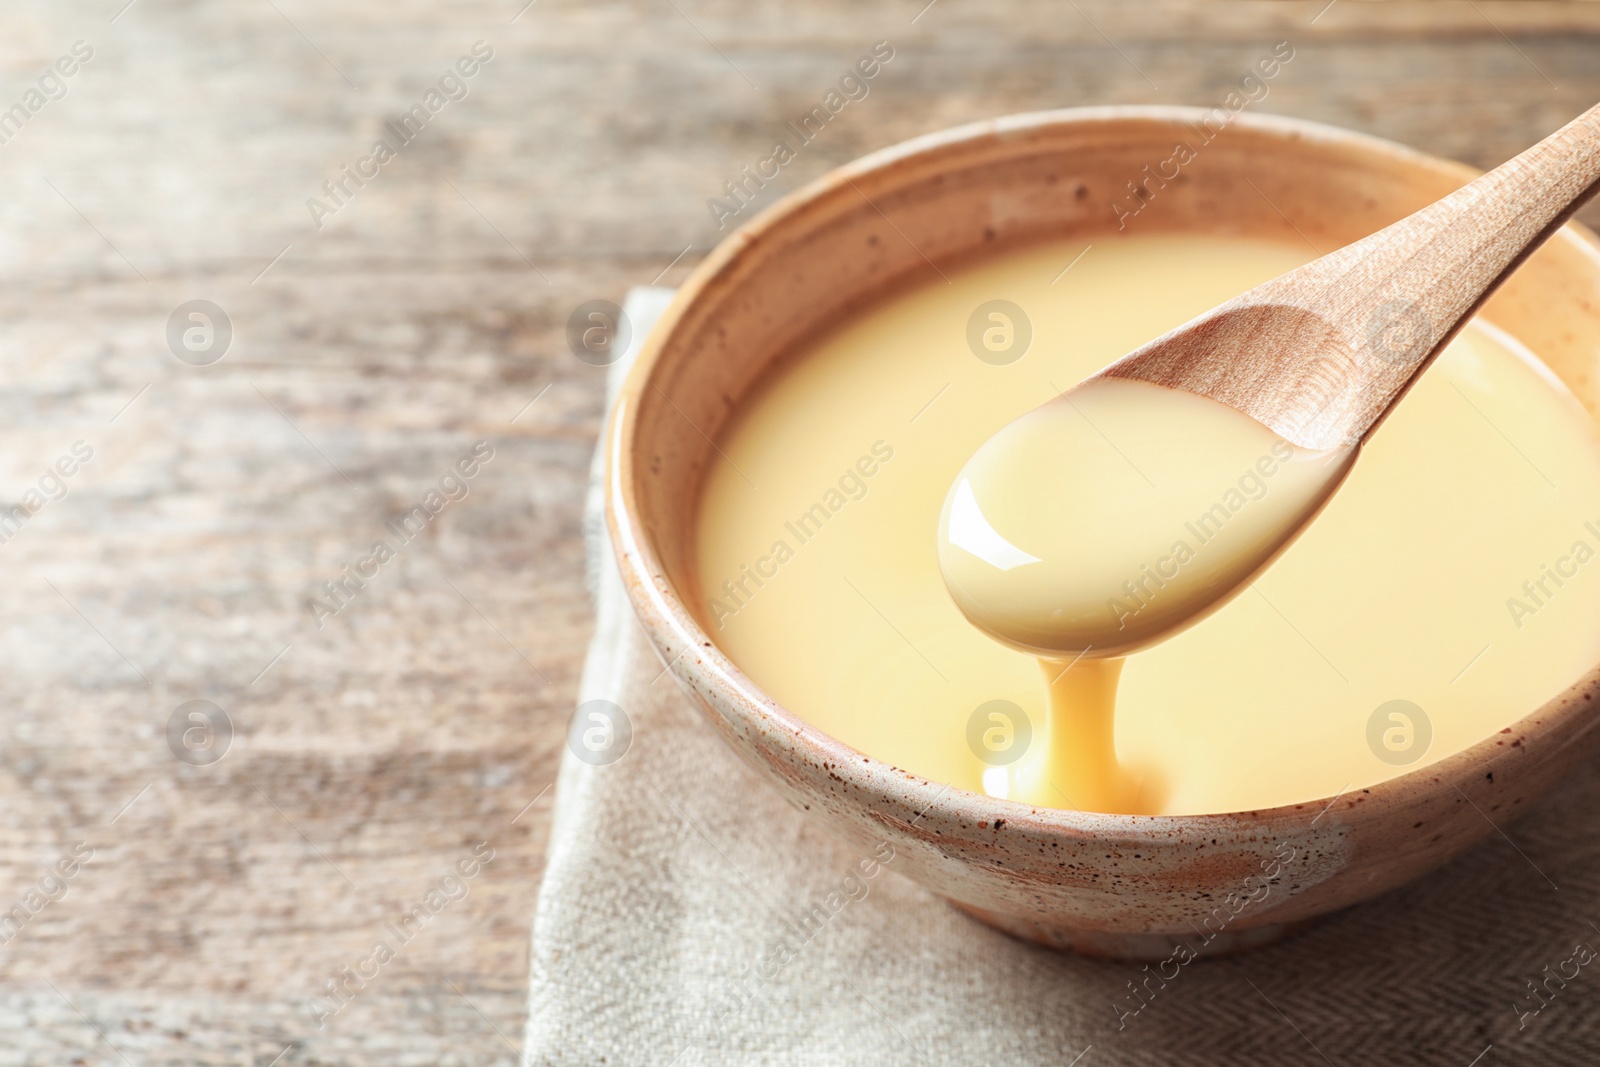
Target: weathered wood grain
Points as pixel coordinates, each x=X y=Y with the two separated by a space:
x=428 y=715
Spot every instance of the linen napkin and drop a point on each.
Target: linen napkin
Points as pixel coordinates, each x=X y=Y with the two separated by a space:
x=669 y=928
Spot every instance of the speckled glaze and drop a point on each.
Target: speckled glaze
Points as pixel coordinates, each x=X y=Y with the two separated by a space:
x=1106 y=885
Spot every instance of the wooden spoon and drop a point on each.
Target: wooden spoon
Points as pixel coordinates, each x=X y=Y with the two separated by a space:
x=1059 y=553
x=1320 y=355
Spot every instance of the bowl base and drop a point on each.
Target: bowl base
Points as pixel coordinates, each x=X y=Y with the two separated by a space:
x=1132 y=947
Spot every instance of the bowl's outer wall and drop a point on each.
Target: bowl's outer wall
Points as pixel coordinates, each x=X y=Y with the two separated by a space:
x=816 y=256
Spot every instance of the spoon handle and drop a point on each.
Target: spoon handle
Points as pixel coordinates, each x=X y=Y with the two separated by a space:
x=1397 y=297
x=1321 y=354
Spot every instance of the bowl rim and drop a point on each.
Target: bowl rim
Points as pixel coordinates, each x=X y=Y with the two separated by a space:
x=648 y=587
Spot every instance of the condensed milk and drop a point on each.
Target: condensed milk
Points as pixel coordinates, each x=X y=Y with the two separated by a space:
x=1443 y=578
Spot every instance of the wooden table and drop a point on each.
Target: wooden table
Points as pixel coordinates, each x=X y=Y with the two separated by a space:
x=375 y=747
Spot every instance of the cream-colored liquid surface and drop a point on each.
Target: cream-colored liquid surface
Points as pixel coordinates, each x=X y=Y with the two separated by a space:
x=1452 y=570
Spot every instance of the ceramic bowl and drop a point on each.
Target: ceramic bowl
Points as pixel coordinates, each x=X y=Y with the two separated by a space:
x=1110 y=885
